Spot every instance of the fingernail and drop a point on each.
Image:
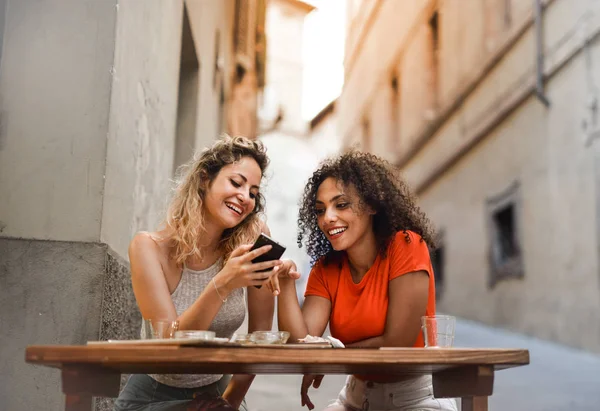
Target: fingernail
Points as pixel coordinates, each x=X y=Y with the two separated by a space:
x=276 y=268
x=276 y=292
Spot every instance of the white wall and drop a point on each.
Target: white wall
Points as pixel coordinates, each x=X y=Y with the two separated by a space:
x=143 y=117
x=54 y=101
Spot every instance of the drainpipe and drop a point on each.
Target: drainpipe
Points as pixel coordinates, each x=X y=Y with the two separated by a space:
x=539 y=48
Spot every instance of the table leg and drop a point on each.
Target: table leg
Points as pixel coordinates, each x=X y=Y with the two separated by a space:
x=471 y=383
x=474 y=404
x=468 y=381
x=80 y=384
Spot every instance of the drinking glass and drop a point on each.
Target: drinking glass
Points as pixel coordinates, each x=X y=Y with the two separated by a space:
x=159 y=329
x=438 y=330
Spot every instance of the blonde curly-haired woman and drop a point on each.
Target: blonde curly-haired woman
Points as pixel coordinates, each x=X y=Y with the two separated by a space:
x=195 y=269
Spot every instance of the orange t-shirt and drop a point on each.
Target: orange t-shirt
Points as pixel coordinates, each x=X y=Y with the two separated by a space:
x=359 y=311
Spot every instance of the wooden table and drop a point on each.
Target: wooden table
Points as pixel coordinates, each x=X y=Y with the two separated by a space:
x=94 y=371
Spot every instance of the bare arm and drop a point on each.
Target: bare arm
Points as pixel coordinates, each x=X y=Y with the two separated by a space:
x=407 y=303
x=152 y=292
x=311 y=319
x=148 y=279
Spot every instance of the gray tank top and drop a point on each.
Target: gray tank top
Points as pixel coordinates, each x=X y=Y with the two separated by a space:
x=229 y=318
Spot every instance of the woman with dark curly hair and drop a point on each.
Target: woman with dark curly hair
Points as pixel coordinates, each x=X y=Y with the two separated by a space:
x=371 y=280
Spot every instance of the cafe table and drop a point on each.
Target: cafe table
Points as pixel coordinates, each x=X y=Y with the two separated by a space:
x=94 y=370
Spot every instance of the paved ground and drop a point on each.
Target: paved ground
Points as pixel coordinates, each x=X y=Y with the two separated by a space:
x=558 y=378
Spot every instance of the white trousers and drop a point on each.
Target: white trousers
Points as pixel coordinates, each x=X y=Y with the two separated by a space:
x=410 y=395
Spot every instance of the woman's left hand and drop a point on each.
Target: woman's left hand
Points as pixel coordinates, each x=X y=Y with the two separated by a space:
x=287 y=272
x=307 y=381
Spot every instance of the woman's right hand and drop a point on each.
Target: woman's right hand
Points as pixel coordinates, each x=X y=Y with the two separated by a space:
x=240 y=271
x=286 y=273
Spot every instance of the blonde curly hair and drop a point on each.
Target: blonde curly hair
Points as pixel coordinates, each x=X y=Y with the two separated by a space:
x=185 y=215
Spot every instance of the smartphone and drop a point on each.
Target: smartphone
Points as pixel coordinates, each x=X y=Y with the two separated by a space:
x=274 y=253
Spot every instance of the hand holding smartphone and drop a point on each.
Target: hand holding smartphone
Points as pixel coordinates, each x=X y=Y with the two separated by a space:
x=274 y=253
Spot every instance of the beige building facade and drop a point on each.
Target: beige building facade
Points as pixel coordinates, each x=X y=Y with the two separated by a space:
x=281 y=100
x=490 y=108
x=100 y=102
x=323 y=133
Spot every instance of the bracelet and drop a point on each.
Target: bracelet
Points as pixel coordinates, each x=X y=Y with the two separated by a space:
x=217 y=290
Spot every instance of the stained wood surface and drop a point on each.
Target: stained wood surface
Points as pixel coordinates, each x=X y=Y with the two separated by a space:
x=170 y=359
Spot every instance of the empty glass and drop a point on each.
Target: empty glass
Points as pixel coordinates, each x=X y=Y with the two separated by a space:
x=269 y=337
x=152 y=329
x=241 y=338
x=438 y=330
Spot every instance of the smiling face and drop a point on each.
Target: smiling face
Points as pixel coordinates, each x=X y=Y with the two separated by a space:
x=231 y=196
x=344 y=222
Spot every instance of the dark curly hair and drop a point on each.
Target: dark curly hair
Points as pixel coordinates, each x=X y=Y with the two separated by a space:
x=380 y=187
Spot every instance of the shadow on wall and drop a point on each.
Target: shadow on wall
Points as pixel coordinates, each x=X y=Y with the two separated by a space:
x=57 y=292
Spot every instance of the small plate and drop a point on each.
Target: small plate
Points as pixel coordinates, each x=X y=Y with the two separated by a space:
x=165 y=341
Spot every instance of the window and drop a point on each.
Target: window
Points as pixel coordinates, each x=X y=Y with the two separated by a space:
x=505 y=255
x=218 y=63
x=434 y=27
x=504 y=223
x=438 y=264
x=394 y=138
x=221 y=113
x=434 y=48
x=218 y=84
x=507 y=14
x=394 y=83
x=366 y=134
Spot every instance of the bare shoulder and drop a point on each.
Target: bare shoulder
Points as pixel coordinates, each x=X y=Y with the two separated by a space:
x=145 y=244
